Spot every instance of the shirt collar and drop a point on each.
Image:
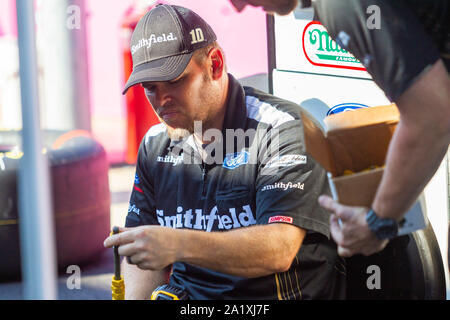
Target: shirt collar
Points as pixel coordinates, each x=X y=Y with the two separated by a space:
x=236 y=111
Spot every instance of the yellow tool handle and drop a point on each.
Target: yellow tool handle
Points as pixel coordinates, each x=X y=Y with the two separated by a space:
x=117 y=289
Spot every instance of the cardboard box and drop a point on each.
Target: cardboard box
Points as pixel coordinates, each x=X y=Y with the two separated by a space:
x=355 y=141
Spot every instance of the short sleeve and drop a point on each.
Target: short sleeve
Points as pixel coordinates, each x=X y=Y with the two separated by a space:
x=289 y=181
x=141 y=210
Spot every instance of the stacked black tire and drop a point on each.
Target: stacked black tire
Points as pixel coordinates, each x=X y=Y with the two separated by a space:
x=80 y=195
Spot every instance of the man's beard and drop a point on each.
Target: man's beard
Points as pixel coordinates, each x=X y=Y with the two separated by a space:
x=207 y=100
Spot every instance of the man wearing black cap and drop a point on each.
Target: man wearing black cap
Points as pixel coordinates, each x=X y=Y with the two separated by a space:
x=223 y=191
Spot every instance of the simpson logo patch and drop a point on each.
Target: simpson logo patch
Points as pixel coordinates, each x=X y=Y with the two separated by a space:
x=281 y=219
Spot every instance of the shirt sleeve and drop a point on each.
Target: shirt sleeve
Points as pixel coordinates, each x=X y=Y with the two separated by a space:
x=289 y=181
x=141 y=210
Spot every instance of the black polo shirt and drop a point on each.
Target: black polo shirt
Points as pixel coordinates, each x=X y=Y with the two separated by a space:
x=257 y=173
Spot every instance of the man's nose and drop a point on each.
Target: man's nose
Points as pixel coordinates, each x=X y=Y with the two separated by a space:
x=161 y=96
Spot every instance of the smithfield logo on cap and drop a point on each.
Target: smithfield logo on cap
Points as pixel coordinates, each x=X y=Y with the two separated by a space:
x=343 y=107
x=152 y=40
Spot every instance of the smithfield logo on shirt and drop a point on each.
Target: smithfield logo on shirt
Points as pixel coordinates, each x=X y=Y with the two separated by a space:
x=232 y=161
x=152 y=40
x=170 y=159
x=284 y=186
x=287 y=161
x=195 y=219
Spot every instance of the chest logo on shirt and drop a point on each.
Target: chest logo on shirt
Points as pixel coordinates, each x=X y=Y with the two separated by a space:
x=197 y=219
x=233 y=161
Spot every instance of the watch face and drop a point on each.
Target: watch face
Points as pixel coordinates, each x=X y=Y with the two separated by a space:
x=382 y=228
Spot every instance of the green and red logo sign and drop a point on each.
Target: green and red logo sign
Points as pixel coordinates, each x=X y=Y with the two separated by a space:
x=321 y=50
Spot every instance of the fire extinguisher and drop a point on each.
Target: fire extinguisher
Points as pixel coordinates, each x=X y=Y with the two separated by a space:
x=140 y=114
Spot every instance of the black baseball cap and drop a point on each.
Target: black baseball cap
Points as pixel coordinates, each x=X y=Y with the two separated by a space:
x=164 y=41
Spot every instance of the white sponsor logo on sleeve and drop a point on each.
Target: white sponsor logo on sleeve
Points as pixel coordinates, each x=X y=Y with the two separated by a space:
x=284 y=186
x=287 y=161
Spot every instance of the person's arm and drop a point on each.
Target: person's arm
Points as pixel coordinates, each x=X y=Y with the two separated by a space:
x=419 y=144
x=248 y=252
x=139 y=284
x=415 y=152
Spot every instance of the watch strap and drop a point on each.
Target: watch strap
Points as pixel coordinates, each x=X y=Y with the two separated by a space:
x=383 y=228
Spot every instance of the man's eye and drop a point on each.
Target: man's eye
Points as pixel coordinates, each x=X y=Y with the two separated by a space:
x=150 y=89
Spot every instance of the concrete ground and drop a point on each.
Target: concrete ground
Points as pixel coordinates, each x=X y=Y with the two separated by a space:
x=95 y=277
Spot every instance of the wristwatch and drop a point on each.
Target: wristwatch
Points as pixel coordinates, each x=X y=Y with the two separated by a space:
x=382 y=228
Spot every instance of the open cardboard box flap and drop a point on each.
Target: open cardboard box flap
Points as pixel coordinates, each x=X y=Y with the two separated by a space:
x=354 y=140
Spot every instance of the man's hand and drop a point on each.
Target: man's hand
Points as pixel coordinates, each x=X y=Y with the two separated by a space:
x=147 y=247
x=352 y=234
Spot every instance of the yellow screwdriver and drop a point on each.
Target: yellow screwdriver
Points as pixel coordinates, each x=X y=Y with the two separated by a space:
x=117 y=285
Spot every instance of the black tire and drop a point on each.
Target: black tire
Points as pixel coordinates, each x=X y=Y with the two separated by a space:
x=411 y=268
x=80 y=194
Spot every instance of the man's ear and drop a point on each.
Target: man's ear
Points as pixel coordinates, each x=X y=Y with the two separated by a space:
x=217 y=63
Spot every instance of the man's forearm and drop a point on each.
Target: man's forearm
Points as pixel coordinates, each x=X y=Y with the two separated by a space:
x=412 y=160
x=419 y=143
x=248 y=252
x=139 y=284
